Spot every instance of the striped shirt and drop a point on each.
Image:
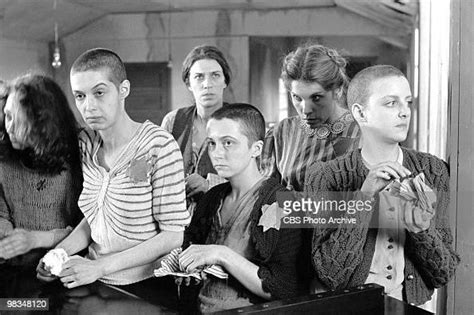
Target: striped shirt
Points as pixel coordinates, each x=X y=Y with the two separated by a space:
x=141 y=195
x=288 y=150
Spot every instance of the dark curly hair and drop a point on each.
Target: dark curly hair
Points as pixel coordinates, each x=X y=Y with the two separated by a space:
x=4 y=139
x=205 y=52
x=53 y=129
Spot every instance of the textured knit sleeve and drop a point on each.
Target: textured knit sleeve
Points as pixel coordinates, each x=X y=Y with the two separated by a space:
x=268 y=157
x=169 y=204
x=431 y=251
x=336 y=252
x=278 y=271
x=277 y=249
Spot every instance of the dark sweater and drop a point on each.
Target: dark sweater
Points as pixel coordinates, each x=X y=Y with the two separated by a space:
x=342 y=256
x=276 y=250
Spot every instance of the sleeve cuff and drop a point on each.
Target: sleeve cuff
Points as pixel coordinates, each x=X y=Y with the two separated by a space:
x=172 y=228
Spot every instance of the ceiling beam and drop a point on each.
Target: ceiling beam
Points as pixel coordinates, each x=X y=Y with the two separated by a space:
x=383 y=12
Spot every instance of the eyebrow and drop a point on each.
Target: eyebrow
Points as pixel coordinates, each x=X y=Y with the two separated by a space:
x=222 y=137
x=396 y=96
x=321 y=93
x=99 y=85
x=94 y=87
x=214 y=71
x=389 y=97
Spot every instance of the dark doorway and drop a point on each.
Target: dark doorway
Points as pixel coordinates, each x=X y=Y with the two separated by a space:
x=150 y=94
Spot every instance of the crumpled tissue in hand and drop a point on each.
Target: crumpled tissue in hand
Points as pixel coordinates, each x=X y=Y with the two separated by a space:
x=54 y=260
x=419 y=201
x=415 y=189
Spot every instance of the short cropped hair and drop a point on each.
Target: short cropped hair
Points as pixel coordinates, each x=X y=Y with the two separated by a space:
x=205 y=52
x=316 y=63
x=53 y=128
x=359 y=90
x=250 y=119
x=101 y=58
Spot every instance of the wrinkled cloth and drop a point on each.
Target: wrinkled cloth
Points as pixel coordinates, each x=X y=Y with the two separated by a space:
x=170 y=267
x=418 y=196
x=54 y=260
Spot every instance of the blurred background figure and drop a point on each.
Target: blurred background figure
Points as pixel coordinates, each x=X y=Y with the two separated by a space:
x=40 y=173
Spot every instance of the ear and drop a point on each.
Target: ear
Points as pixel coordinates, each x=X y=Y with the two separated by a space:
x=257 y=148
x=124 y=89
x=358 y=112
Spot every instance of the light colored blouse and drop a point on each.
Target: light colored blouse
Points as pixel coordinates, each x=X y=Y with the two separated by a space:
x=388 y=263
x=141 y=195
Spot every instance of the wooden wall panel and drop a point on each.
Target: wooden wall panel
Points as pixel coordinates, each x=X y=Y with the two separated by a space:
x=461 y=149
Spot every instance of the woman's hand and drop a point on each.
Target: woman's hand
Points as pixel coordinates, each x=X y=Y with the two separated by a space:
x=43 y=274
x=187 y=281
x=17 y=242
x=381 y=174
x=196 y=256
x=79 y=271
x=195 y=184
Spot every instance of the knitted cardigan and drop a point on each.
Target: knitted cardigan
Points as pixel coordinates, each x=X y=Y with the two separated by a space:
x=276 y=250
x=342 y=257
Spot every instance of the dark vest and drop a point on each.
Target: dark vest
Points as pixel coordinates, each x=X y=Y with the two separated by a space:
x=182 y=131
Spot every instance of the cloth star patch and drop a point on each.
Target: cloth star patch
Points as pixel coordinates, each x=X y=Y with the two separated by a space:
x=139 y=170
x=271 y=217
